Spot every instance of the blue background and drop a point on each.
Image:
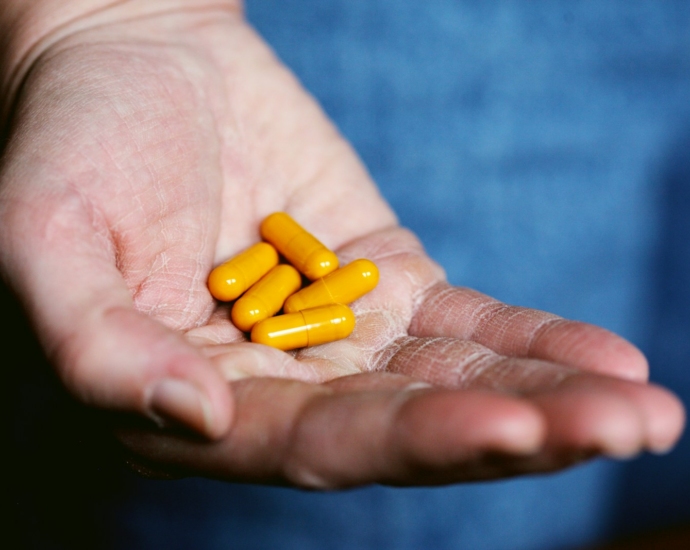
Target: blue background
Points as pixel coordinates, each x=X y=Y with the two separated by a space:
x=541 y=150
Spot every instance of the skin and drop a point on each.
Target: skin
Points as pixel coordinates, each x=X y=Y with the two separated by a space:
x=146 y=148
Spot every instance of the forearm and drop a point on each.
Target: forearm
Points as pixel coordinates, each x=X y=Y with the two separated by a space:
x=30 y=27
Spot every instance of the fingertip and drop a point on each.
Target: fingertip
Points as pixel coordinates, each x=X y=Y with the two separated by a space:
x=173 y=402
x=626 y=361
x=587 y=418
x=181 y=386
x=124 y=360
x=186 y=389
x=219 y=409
x=665 y=428
x=658 y=414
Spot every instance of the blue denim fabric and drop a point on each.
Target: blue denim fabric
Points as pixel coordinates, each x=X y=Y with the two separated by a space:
x=540 y=150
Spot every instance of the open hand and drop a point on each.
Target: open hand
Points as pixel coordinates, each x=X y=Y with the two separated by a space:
x=145 y=148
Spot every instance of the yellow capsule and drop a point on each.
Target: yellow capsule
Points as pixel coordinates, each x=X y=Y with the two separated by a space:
x=230 y=279
x=310 y=327
x=301 y=249
x=265 y=298
x=343 y=286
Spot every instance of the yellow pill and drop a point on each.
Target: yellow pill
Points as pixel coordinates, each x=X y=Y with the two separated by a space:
x=300 y=248
x=230 y=279
x=265 y=298
x=310 y=327
x=343 y=286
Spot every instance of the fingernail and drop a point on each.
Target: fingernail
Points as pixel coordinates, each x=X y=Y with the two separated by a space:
x=233 y=375
x=417 y=386
x=623 y=453
x=661 y=449
x=178 y=402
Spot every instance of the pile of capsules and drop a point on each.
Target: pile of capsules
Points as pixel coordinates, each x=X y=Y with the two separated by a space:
x=314 y=315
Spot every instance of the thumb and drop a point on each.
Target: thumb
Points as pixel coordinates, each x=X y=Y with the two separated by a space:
x=107 y=353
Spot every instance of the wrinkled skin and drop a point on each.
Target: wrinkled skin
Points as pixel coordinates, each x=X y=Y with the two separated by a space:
x=146 y=151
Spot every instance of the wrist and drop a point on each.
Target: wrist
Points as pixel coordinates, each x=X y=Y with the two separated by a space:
x=31 y=27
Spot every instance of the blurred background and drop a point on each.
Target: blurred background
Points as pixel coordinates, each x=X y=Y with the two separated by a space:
x=541 y=150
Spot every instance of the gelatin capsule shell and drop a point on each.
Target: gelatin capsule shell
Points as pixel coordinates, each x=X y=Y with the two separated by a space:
x=232 y=278
x=266 y=297
x=305 y=328
x=304 y=251
x=343 y=286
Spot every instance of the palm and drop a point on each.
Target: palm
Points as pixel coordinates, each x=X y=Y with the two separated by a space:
x=174 y=155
